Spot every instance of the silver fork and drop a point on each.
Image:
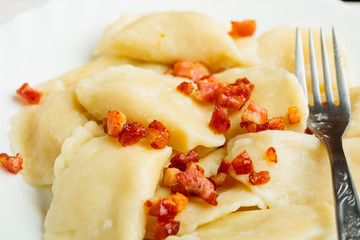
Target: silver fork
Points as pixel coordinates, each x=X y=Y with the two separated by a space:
x=329 y=123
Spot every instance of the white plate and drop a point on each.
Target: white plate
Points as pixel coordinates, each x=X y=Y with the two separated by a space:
x=45 y=42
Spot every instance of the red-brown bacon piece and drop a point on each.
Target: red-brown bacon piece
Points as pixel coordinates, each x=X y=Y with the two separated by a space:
x=157 y=134
x=191 y=70
x=166 y=227
x=244 y=28
x=271 y=154
x=12 y=164
x=293 y=115
x=219 y=121
x=224 y=166
x=114 y=123
x=180 y=160
x=254 y=113
x=258 y=178
x=242 y=163
x=234 y=95
x=207 y=90
x=195 y=182
x=31 y=95
x=131 y=133
x=185 y=87
x=276 y=123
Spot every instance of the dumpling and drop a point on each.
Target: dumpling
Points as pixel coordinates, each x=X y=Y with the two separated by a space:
x=354 y=126
x=101 y=193
x=167 y=37
x=314 y=221
x=143 y=96
x=302 y=174
x=39 y=132
x=277 y=47
x=275 y=89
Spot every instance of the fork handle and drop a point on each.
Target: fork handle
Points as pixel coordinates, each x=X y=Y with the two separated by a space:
x=347 y=204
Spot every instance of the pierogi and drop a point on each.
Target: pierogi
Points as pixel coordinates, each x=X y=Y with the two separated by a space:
x=101 y=187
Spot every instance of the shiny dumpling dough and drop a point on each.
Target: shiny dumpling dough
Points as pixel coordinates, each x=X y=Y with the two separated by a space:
x=300 y=222
x=143 y=96
x=102 y=192
x=167 y=37
x=71 y=145
x=275 y=89
x=302 y=173
x=277 y=47
x=90 y=69
x=38 y=135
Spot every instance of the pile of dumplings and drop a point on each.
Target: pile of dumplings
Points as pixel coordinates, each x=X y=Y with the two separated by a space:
x=99 y=187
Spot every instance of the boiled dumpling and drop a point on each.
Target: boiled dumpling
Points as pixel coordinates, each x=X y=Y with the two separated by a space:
x=143 y=95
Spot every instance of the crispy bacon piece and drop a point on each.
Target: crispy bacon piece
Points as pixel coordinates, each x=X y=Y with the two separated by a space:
x=234 y=95
x=219 y=179
x=207 y=89
x=180 y=160
x=276 y=123
x=253 y=127
x=271 y=154
x=131 y=133
x=308 y=131
x=242 y=163
x=162 y=207
x=195 y=181
x=255 y=113
x=258 y=178
x=169 y=178
x=12 y=164
x=293 y=115
x=180 y=201
x=219 y=121
x=31 y=95
x=157 y=134
x=178 y=187
x=224 y=166
x=114 y=123
x=166 y=227
x=185 y=87
x=191 y=70
x=244 y=28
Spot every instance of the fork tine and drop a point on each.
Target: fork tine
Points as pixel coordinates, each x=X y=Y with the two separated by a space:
x=340 y=74
x=327 y=80
x=314 y=75
x=299 y=62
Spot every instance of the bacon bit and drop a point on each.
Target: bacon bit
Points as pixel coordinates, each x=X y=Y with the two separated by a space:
x=131 y=133
x=253 y=127
x=163 y=208
x=219 y=121
x=224 y=166
x=293 y=115
x=308 y=131
x=245 y=28
x=191 y=70
x=219 y=179
x=185 y=87
x=178 y=187
x=104 y=123
x=114 y=123
x=242 y=163
x=169 y=178
x=31 y=95
x=271 y=154
x=207 y=89
x=11 y=164
x=258 y=178
x=276 y=123
x=234 y=95
x=157 y=134
x=195 y=181
x=254 y=113
x=180 y=201
x=165 y=227
x=180 y=160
